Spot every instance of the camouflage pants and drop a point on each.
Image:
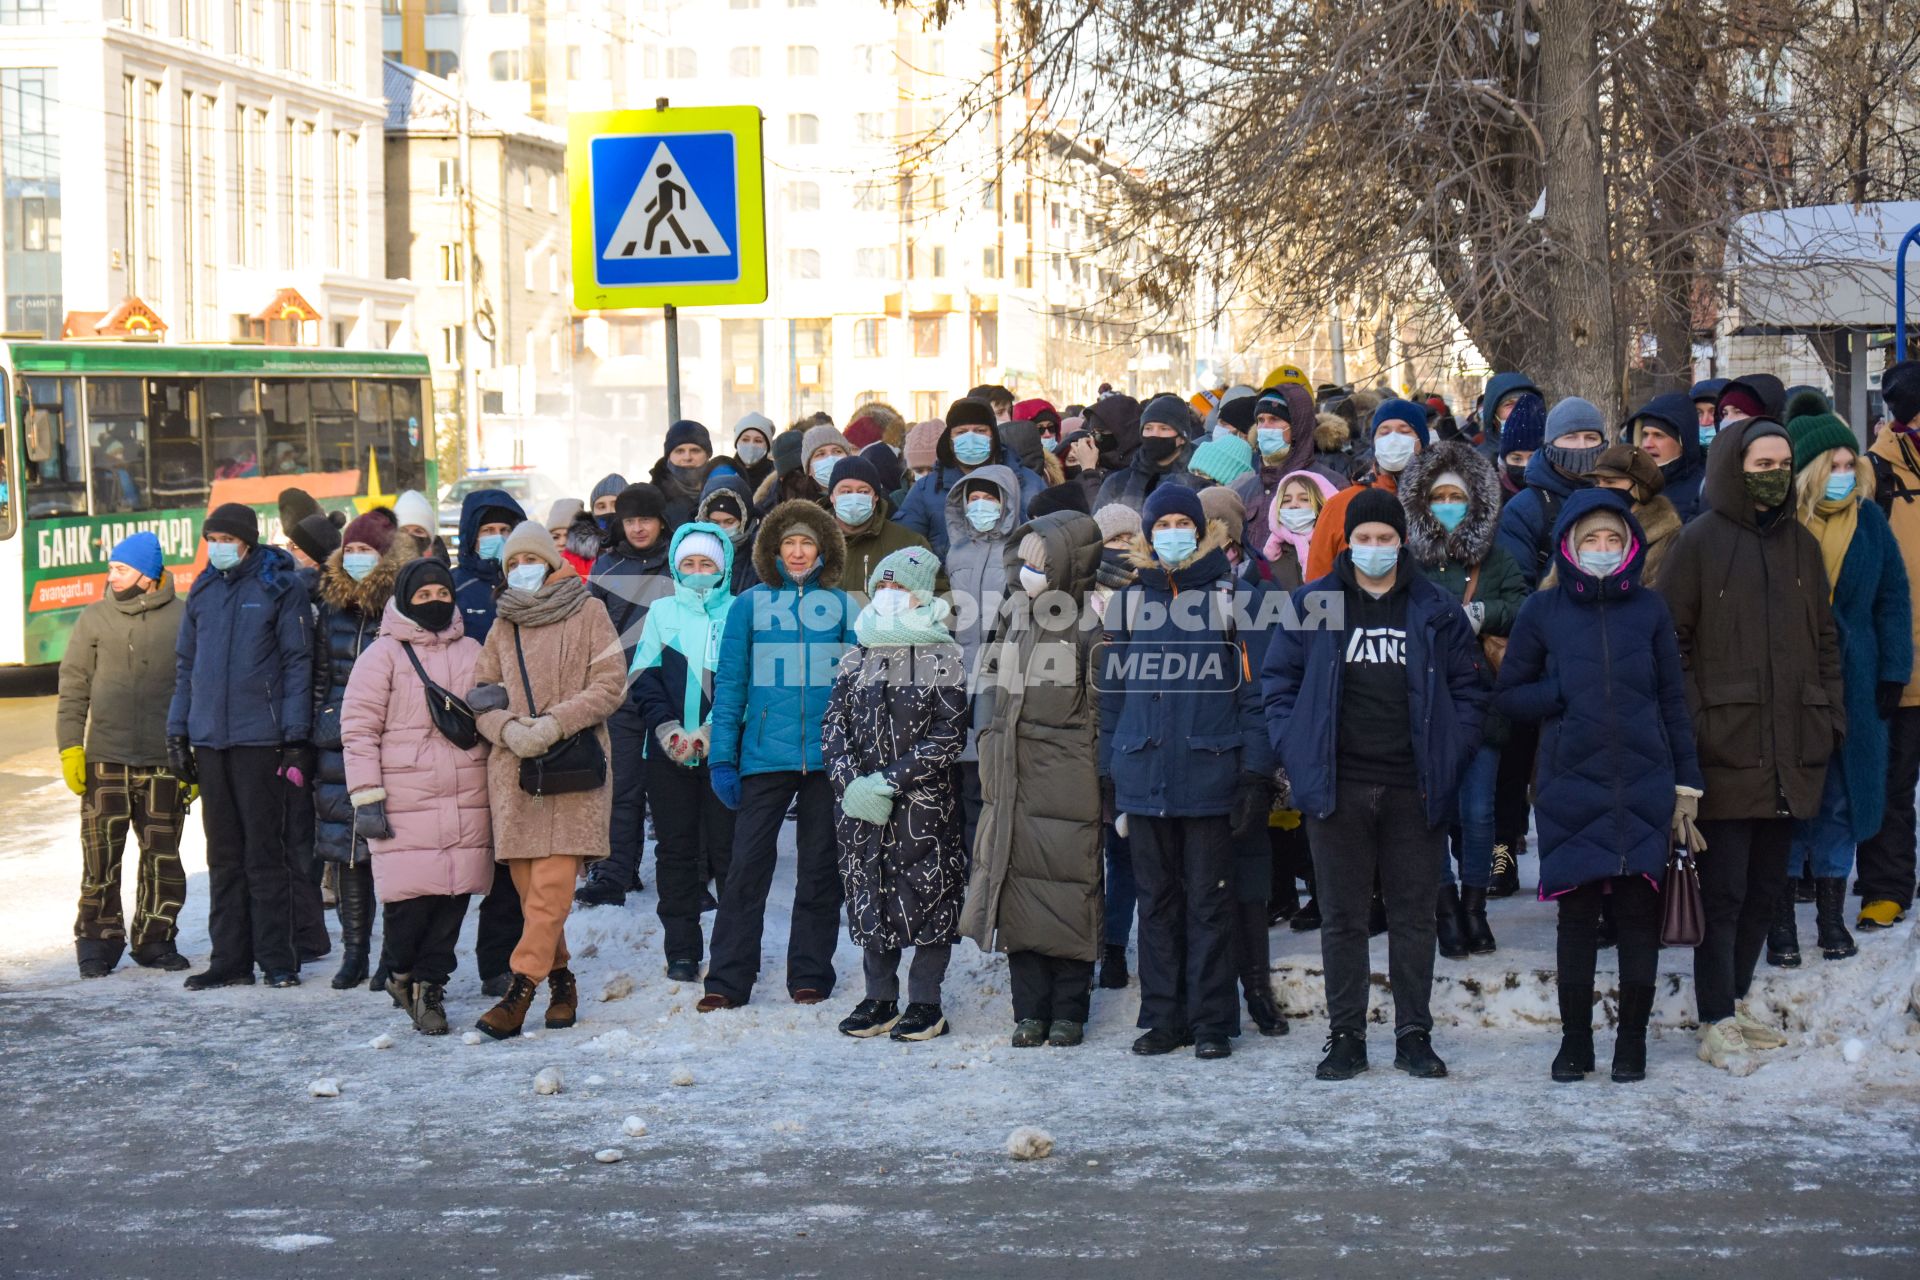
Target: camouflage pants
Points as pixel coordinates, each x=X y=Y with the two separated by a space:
x=119 y=797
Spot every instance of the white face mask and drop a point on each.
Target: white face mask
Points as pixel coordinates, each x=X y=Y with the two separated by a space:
x=1032 y=581
x=1394 y=451
x=527 y=577
x=890 y=602
x=1298 y=519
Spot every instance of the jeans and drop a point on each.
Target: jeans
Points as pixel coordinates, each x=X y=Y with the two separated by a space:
x=817 y=893
x=1887 y=858
x=1824 y=842
x=1184 y=867
x=1122 y=893
x=1473 y=838
x=1742 y=873
x=1377 y=831
x=925 y=973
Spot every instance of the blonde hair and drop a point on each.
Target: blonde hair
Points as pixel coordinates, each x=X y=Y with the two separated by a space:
x=1314 y=495
x=1810 y=486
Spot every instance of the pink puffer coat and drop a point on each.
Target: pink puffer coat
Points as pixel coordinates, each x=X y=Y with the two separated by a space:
x=436 y=794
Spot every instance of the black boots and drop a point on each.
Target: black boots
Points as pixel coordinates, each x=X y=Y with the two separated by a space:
x=1830 y=907
x=1630 y=1038
x=1450 y=924
x=1473 y=902
x=1113 y=966
x=1262 y=1008
x=356 y=924
x=1575 y=1058
x=1346 y=1056
x=1783 y=937
x=1506 y=869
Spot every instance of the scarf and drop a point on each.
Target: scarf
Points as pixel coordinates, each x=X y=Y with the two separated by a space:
x=558 y=599
x=1832 y=525
x=682 y=483
x=922 y=624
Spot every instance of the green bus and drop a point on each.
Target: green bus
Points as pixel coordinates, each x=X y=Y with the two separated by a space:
x=100 y=439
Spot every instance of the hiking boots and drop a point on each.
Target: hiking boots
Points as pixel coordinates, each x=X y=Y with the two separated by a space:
x=1065 y=1034
x=505 y=1019
x=563 y=1000
x=1029 y=1033
x=683 y=971
x=1830 y=917
x=426 y=1005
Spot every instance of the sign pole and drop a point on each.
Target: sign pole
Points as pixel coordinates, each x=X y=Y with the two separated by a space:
x=673 y=363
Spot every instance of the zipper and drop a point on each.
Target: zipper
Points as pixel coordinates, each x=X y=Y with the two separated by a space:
x=1613 y=730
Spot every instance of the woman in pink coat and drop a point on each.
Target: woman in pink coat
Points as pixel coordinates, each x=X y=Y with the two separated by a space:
x=420 y=801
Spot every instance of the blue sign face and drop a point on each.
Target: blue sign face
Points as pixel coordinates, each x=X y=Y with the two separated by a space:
x=665 y=209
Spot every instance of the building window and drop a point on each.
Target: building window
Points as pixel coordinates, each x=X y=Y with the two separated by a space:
x=446 y=178
x=803 y=264
x=24 y=13
x=803 y=60
x=803 y=130
x=442 y=62
x=874 y=195
x=1019 y=208
x=870 y=338
x=803 y=196
x=527 y=266
x=870 y=126
x=990 y=263
x=872 y=264
x=451 y=341
x=450 y=264
x=873 y=59
x=682 y=64
x=926 y=335
x=30 y=198
x=504 y=65
x=744 y=61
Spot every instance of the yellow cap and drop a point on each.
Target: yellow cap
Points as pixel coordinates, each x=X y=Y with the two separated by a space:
x=1285 y=373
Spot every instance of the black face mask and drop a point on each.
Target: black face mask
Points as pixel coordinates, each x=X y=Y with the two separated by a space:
x=1157 y=449
x=1516 y=476
x=435 y=615
x=125 y=594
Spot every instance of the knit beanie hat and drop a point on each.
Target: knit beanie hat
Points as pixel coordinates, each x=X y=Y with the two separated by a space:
x=1285 y=373
x=1598 y=518
x=141 y=553
x=1171 y=410
x=412 y=508
x=1805 y=402
x=562 y=512
x=372 y=529
x=415 y=574
x=1071 y=496
x=609 y=487
x=820 y=437
x=1172 y=498
x=863 y=431
x=1240 y=412
x=1223 y=504
x=529 y=537
x=1376 y=506
x=296 y=505
x=1574 y=414
x=1033 y=549
x=1414 y=415
x=1117 y=520
x=968 y=412
x=854 y=468
x=687 y=431
x=1815 y=433
x=640 y=501
x=911 y=567
x=699 y=544
x=1525 y=429
x=786 y=451
x=923 y=444
x=885 y=463
x=1223 y=461
x=753 y=422
x=317 y=537
x=236 y=520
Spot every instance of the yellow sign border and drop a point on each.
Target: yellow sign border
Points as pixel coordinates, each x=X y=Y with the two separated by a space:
x=744 y=123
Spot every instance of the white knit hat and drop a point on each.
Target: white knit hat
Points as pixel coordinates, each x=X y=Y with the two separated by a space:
x=412 y=508
x=699 y=544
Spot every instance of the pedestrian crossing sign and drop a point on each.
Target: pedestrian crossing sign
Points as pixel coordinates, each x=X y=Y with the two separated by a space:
x=667 y=206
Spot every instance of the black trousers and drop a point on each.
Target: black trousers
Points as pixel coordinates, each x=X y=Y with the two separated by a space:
x=1292 y=861
x=693 y=842
x=500 y=925
x=309 y=913
x=817 y=894
x=1887 y=857
x=418 y=935
x=1636 y=918
x=249 y=894
x=1252 y=948
x=1377 y=833
x=627 y=825
x=1050 y=988
x=1184 y=870
x=1743 y=872
x=1510 y=804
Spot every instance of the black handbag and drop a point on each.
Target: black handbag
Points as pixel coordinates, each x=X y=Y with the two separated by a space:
x=451 y=715
x=575 y=763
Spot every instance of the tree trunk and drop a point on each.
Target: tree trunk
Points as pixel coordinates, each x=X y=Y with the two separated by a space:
x=1583 y=339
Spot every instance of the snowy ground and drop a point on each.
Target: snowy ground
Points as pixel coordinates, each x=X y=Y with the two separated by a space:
x=149 y=1132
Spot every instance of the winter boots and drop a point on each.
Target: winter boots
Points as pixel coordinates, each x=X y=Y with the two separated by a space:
x=600 y=890
x=870 y=1018
x=1881 y=913
x=1307 y=918
x=563 y=1000
x=1630 y=1037
x=683 y=971
x=424 y=1002
x=1029 y=1033
x=356 y=924
x=1479 y=933
x=1113 y=966
x=1783 y=937
x=504 y=1020
x=1450 y=924
x=160 y=955
x=1346 y=1056
x=1262 y=1008
x=1506 y=871
x=1575 y=1058
x=1065 y=1033
x=919 y=1022
x=1413 y=1053
x=1159 y=1040
x=1830 y=908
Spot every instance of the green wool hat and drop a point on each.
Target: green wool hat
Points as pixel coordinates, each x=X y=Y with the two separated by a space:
x=914 y=568
x=1224 y=460
x=1815 y=433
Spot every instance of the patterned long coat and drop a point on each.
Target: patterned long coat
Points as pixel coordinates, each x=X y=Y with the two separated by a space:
x=901 y=710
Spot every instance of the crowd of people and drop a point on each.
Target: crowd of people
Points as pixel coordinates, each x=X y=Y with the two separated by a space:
x=1282 y=656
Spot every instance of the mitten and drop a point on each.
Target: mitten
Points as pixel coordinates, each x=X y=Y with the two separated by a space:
x=869 y=798
x=73 y=768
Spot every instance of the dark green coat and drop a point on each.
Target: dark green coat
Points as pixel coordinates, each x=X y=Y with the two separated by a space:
x=117 y=678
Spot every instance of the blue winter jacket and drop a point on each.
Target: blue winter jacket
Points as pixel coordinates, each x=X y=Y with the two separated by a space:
x=1674 y=413
x=1447 y=695
x=1527 y=521
x=925 y=509
x=475 y=580
x=672 y=672
x=779 y=650
x=1596 y=661
x=243 y=665
x=1179 y=714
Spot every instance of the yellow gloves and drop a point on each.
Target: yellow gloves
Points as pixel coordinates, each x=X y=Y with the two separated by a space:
x=73 y=767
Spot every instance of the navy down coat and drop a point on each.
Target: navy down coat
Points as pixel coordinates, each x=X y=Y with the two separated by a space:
x=476 y=580
x=1596 y=661
x=243 y=665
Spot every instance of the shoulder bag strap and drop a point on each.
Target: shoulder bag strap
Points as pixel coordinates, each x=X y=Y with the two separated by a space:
x=1473 y=582
x=419 y=670
x=521 y=656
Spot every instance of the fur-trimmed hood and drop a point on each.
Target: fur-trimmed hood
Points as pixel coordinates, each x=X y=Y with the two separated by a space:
x=1427 y=538
x=826 y=534
x=1140 y=551
x=369 y=596
x=1330 y=433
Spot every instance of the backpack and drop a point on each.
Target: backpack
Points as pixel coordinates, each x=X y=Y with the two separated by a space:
x=1887 y=483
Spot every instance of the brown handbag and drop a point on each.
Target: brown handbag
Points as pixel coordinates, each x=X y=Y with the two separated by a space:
x=1495 y=647
x=1683 y=916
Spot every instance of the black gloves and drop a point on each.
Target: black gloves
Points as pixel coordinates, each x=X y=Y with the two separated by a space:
x=370 y=821
x=1107 y=810
x=1252 y=801
x=1886 y=697
x=297 y=761
x=180 y=761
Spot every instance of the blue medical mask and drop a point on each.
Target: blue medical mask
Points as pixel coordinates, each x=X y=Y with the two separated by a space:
x=1839 y=485
x=1707 y=434
x=1449 y=514
x=359 y=564
x=1602 y=564
x=1298 y=519
x=1224 y=432
x=224 y=555
x=1375 y=562
x=1273 y=441
x=854 y=509
x=1175 y=545
x=1050 y=444
x=701 y=582
x=823 y=471
x=527 y=577
x=490 y=543
x=973 y=448
x=983 y=513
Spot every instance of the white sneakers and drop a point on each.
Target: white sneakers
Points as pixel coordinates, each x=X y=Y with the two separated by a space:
x=1722 y=1045
x=1756 y=1033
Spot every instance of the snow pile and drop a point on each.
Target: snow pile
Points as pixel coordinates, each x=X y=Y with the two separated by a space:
x=1029 y=1143
x=610 y=1155
x=381 y=1041
x=681 y=1076
x=618 y=987
x=546 y=1081
x=292 y=1243
x=634 y=1127
x=325 y=1087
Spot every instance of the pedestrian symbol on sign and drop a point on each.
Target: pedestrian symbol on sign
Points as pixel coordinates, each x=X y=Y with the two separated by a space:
x=664 y=218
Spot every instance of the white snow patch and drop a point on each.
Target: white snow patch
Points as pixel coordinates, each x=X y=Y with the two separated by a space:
x=634 y=1127
x=1029 y=1143
x=472 y=1037
x=325 y=1087
x=1854 y=1049
x=547 y=1081
x=618 y=987
x=292 y=1243
x=681 y=1076
x=610 y=1155
x=381 y=1041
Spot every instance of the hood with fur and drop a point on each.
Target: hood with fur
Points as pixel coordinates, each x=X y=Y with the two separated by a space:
x=826 y=535
x=369 y=596
x=1427 y=538
x=1330 y=433
x=1140 y=551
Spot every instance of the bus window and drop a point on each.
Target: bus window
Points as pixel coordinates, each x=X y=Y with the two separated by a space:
x=404 y=435
x=57 y=484
x=173 y=424
x=117 y=426
x=285 y=411
x=333 y=427
x=233 y=429
x=6 y=456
